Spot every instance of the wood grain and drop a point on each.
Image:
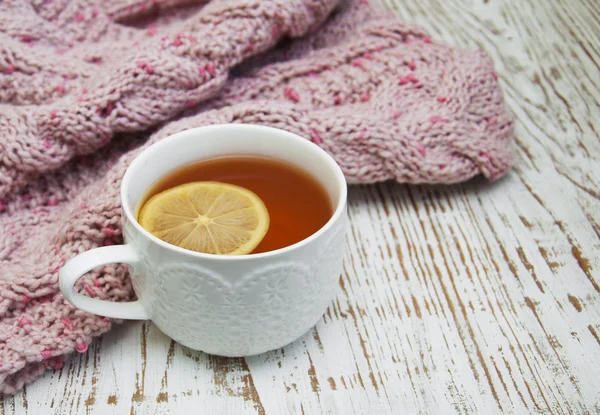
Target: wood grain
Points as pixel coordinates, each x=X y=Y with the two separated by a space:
x=466 y=299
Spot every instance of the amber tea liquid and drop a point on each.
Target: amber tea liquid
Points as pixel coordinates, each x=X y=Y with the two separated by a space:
x=298 y=205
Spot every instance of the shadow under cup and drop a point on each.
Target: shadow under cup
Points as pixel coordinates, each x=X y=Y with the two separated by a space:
x=233 y=305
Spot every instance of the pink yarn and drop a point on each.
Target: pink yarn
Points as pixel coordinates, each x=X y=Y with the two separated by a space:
x=376 y=93
x=81 y=347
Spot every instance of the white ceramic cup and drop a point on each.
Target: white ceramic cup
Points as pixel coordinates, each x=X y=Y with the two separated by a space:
x=224 y=305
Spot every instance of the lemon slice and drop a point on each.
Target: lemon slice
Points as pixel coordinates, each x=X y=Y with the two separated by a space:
x=209 y=217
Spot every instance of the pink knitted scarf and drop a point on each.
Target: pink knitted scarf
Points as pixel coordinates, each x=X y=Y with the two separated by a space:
x=86 y=85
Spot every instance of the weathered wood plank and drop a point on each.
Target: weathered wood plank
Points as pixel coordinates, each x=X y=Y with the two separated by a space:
x=475 y=298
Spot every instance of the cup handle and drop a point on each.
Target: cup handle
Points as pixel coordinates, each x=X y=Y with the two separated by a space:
x=82 y=263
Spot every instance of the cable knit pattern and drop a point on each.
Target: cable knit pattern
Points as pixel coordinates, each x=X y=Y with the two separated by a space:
x=85 y=86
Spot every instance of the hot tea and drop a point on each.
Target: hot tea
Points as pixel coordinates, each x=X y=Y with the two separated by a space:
x=297 y=204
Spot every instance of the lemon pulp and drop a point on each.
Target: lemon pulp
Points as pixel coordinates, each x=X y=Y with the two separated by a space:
x=209 y=217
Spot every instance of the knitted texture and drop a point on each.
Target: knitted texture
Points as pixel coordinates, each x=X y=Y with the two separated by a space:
x=85 y=86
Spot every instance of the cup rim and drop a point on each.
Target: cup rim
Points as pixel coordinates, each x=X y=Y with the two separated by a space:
x=164 y=143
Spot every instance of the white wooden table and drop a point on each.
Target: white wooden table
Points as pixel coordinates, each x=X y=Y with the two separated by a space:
x=475 y=298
